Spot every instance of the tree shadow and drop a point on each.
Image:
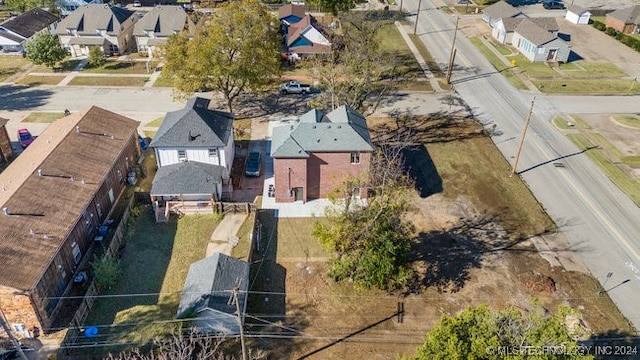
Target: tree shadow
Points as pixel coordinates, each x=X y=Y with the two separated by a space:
x=612 y=344
x=422 y=170
x=444 y=258
x=17 y=97
x=250 y=106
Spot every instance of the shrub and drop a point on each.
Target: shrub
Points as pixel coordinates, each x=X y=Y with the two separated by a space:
x=599 y=25
x=96 y=57
x=107 y=272
x=611 y=31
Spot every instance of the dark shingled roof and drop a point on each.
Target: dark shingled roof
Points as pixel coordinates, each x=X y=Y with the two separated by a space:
x=209 y=284
x=547 y=23
x=577 y=9
x=341 y=130
x=30 y=22
x=54 y=204
x=534 y=33
x=195 y=126
x=189 y=177
x=630 y=15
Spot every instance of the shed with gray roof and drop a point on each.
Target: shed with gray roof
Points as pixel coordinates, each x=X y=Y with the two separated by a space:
x=577 y=15
x=208 y=294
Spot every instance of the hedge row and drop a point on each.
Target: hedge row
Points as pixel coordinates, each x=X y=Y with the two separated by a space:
x=630 y=41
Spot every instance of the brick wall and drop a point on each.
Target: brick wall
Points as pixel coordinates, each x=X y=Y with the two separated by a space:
x=614 y=23
x=6 y=151
x=318 y=175
x=297 y=176
x=18 y=309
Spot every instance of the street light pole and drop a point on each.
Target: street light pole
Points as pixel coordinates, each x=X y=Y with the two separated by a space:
x=524 y=133
x=415 y=26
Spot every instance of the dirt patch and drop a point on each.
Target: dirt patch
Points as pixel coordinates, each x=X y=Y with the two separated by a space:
x=463 y=259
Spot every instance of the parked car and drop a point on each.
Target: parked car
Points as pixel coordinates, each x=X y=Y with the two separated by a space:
x=25 y=138
x=137 y=4
x=551 y=5
x=294 y=87
x=254 y=164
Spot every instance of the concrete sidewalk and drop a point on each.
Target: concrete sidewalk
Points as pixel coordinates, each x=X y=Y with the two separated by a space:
x=228 y=227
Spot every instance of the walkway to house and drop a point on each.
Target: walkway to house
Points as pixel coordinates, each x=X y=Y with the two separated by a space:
x=227 y=228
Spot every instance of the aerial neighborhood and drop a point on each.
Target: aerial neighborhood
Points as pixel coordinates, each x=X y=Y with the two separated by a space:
x=246 y=179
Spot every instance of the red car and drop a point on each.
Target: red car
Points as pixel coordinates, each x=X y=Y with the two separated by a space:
x=25 y=138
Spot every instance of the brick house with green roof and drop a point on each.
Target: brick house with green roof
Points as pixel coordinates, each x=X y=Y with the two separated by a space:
x=316 y=153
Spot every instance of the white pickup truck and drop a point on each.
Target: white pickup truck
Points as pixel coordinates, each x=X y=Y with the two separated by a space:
x=294 y=87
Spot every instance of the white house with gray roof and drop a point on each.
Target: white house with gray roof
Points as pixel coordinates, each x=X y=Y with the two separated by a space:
x=538 y=44
x=194 y=151
x=156 y=26
x=500 y=10
x=207 y=295
x=97 y=25
x=314 y=154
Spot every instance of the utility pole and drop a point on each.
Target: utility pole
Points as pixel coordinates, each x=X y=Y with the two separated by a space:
x=415 y=26
x=16 y=343
x=235 y=299
x=524 y=132
x=451 y=55
x=400 y=6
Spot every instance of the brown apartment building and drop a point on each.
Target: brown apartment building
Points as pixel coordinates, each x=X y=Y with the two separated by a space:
x=54 y=197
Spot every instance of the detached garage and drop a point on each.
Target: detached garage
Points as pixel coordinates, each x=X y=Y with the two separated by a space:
x=577 y=15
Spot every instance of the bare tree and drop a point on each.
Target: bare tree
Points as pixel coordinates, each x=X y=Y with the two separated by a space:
x=195 y=345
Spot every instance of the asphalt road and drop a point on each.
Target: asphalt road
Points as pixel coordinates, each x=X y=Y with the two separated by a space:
x=601 y=224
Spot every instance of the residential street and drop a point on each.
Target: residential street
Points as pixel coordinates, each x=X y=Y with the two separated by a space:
x=600 y=222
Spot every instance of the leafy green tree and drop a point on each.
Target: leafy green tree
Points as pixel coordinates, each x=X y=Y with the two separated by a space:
x=334 y=6
x=479 y=333
x=370 y=242
x=107 y=272
x=24 y=5
x=45 y=49
x=97 y=57
x=357 y=72
x=236 y=51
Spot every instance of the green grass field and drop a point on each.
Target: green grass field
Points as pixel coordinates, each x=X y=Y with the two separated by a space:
x=109 y=81
x=36 y=80
x=628 y=120
x=123 y=67
x=625 y=182
x=42 y=117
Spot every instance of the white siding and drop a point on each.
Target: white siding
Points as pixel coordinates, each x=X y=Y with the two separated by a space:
x=169 y=156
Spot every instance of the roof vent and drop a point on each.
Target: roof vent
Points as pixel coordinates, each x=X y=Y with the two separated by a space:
x=318 y=140
x=5 y=211
x=313 y=127
x=291 y=127
x=39 y=172
x=32 y=232
x=335 y=139
x=339 y=126
x=77 y=129
x=328 y=126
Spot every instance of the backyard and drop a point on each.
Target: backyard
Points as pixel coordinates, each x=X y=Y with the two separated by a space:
x=155 y=262
x=472 y=245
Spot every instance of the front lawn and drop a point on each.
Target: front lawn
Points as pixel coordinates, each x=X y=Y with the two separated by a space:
x=11 y=64
x=586 y=86
x=628 y=120
x=498 y=64
x=163 y=81
x=156 y=260
x=108 y=81
x=123 y=67
x=42 y=117
x=66 y=65
x=36 y=80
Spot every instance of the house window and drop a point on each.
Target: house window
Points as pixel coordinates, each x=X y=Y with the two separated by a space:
x=111 y=196
x=182 y=155
x=213 y=152
x=77 y=255
x=355 y=157
x=113 y=48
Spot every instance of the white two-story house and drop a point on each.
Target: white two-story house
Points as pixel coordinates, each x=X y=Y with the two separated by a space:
x=194 y=151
